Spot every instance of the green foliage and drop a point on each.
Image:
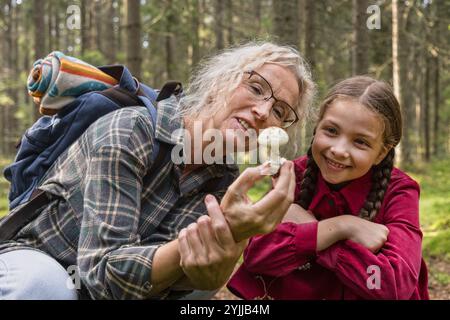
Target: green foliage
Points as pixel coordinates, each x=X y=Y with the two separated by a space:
x=437 y=244
x=435 y=207
x=94 y=57
x=5 y=101
x=4 y=187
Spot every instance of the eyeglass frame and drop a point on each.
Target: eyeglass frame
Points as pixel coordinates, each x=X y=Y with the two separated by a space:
x=252 y=72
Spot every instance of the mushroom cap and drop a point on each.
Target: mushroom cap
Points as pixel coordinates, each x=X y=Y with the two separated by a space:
x=273 y=135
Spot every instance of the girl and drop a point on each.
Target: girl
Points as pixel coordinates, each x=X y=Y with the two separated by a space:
x=360 y=238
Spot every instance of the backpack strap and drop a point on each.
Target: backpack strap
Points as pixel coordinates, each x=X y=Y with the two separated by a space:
x=20 y=217
x=122 y=97
x=23 y=215
x=170 y=88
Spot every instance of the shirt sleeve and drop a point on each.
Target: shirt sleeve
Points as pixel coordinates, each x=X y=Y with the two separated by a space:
x=280 y=252
x=393 y=272
x=112 y=263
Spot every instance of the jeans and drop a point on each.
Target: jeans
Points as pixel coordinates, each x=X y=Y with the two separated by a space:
x=33 y=275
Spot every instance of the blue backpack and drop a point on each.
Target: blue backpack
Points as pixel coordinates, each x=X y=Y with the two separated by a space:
x=44 y=142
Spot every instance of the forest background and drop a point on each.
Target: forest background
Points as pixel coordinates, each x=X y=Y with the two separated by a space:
x=406 y=43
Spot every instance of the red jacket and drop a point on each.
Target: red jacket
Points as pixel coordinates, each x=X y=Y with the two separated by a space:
x=285 y=265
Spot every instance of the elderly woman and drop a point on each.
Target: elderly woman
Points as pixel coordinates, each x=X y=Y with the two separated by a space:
x=137 y=235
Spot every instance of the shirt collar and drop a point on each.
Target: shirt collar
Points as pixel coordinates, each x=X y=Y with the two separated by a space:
x=354 y=193
x=167 y=130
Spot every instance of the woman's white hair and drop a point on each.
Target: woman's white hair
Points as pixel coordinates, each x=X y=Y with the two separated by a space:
x=216 y=78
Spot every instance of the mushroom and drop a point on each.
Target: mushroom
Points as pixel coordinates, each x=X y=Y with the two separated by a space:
x=270 y=140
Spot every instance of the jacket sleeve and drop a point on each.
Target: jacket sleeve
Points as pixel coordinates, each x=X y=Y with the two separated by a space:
x=280 y=252
x=393 y=272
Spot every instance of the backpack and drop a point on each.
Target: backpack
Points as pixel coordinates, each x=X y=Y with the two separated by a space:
x=49 y=136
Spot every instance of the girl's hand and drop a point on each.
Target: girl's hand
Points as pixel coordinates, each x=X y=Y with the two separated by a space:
x=297 y=214
x=207 y=249
x=368 y=234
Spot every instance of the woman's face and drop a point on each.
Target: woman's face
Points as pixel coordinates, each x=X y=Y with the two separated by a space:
x=348 y=141
x=243 y=112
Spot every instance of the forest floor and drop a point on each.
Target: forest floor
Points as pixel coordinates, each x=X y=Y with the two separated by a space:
x=434 y=180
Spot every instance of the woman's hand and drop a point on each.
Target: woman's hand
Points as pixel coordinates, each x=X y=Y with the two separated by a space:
x=368 y=234
x=207 y=249
x=297 y=214
x=247 y=219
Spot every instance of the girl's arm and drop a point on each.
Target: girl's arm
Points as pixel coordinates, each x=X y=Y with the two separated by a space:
x=329 y=231
x=392 y=273
x=293 y=243
x=301 y=236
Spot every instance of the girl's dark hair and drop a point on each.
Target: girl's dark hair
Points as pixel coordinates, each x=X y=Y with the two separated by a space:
x=379 y=97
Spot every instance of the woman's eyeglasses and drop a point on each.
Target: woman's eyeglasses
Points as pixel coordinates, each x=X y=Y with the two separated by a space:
x=282 y=114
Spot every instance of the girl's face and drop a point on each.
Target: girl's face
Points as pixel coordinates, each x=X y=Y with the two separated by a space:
x=348 y=141
x=243 y=112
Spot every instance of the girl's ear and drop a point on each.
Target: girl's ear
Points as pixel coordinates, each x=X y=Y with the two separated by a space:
x=383 y=152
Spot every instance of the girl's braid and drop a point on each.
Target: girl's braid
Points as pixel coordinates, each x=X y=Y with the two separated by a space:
x=309 y=180
x=380 y=179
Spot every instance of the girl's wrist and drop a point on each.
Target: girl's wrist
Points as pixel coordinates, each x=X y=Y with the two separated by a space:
x=330 y=231
x=342 y=227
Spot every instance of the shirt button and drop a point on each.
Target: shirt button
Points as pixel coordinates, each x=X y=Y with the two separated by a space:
x=331 y=202
x=304 y=267
x=147 y=286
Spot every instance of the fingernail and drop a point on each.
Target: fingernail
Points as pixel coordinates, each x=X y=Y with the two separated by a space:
x=209 y=198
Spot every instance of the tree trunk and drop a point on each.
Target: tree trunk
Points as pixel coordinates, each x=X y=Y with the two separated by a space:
x=51 y=12
x=257 y=14
x=395 y=42
x=85 y=26
x=134 y=56
x=218 y=27
x=438 y=28
x=109 y=45
x=169 y=40
x=310 y=12
x=57 y=35
x=195 y=15
x=286 y=22
x=229 y=12
x=436 y=140
x=398 y=60
x=40 y=48
x=426 y=108
x=360 y=46
x=99 y=8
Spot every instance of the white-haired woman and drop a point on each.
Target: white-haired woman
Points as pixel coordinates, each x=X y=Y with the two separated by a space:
x=137 y=235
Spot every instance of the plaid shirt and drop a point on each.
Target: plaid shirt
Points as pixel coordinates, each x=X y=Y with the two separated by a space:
x=110 y=212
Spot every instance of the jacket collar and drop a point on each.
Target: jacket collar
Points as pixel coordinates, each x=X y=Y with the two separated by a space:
x=354 y=193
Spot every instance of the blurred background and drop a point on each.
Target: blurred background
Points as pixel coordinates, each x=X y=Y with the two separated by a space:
x=406 y=43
